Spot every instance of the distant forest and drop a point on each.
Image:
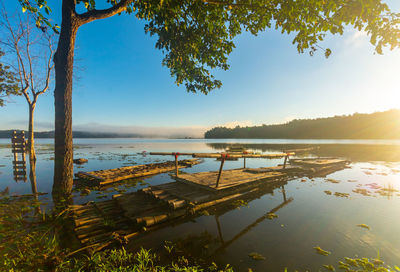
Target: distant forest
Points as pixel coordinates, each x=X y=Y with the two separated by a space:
x=378 y=125
x=76 y=134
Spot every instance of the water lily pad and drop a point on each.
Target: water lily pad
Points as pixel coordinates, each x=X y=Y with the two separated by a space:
x=256 y=256
x=364 y=226
x=271 y=216
x=321 y=251
x=341 y=194
x=329 y=267
x=332 y=180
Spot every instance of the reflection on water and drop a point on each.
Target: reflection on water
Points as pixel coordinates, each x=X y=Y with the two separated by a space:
x=354 y=152
x=307 y=216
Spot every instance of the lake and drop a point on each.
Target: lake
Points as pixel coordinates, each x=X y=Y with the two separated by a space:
x=313 y=217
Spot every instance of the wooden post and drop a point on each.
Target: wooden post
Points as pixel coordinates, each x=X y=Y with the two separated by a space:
x=223 y=156
x=176 y=163
x=284 y=193
x=219 y=229
x=284 y=163
x=244 y=162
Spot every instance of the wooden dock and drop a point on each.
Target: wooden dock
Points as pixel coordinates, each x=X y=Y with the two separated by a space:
x=229 y=178
x=19 y=147
x=104 y=177
x=98 y=225
x=117 y=221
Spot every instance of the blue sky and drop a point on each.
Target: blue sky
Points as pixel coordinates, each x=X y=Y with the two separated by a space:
x=122 y=86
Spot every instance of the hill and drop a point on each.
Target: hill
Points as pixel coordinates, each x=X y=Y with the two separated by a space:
x=378 y=125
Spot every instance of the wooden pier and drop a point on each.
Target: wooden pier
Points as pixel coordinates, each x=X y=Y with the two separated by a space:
x=19 y=147
x=117 y=221
x=100 y=224
x=228 y=180
x=104 y=177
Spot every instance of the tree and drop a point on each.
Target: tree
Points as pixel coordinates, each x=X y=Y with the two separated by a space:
x=196 y=36
x=8 y=81
x=30 y=52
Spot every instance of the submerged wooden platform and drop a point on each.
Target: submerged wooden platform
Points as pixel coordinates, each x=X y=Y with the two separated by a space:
x=229 y=178
x=104 y=177
x=318 y=162
x=98 y=225
x=116 y=221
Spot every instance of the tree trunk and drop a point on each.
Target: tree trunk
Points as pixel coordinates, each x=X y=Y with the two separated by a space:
x=31 y=136
x=64 y=59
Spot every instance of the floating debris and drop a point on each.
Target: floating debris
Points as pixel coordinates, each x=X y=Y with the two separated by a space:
x=303 y=180
x=85 y=192
x=341 y=194
x=329 y=267
x=367 y=173
x=321 y=251
x=364 y=226
x=271 y=216
x=351 y=180
x=332 y=180
x=80 y=161
x=328 y=192
x=256 y=256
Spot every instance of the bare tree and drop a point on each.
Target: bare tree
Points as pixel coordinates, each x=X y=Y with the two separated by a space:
x=30 y=50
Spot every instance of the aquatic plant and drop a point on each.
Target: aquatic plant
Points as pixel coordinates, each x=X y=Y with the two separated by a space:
x=332 y=180
x=329 y=267
x=256 y=256
x=321 y=251
x=240 y=203
x=271 y=215
x=364 y=226
x=364 y=265
x=338 y=194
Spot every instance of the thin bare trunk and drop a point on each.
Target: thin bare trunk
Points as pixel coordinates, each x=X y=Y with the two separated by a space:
x=31 y=136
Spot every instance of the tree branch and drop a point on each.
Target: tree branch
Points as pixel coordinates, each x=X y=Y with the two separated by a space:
x=232 y=4
x=95 y=14
x=50 y=66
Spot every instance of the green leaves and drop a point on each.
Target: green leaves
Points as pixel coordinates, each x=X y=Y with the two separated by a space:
x=197 y=36
x=36 y=7
x=8 y=82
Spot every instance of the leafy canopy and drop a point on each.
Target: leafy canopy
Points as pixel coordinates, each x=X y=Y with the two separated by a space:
x=197 y=36
x=8 y=81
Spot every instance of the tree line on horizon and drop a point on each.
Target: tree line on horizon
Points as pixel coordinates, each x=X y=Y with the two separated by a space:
x=378 y=125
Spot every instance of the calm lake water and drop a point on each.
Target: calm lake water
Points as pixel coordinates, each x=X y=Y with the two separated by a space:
x=312 y=218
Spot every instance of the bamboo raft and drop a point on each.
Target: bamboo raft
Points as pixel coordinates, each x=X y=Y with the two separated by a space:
x=117 y=221
x=229 y=179
x=104 y=177
x=100 y=224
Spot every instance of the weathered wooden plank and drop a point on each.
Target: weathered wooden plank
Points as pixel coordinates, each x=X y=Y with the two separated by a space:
x=104 y=177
